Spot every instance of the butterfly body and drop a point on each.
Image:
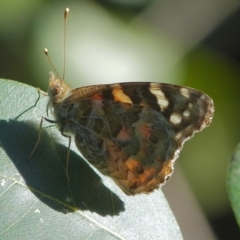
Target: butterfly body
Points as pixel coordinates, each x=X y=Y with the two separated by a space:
x=132 y=132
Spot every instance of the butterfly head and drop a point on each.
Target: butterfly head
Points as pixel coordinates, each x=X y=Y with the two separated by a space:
x=58 y=90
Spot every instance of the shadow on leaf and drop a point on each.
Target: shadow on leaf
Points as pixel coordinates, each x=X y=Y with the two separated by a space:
x=45 y=173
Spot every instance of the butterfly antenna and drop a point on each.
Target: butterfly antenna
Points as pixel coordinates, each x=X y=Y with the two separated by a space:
x=64 y=48
x=50 y=62
x=64 y=43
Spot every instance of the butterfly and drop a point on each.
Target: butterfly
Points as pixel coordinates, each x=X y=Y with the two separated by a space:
x=132 y=132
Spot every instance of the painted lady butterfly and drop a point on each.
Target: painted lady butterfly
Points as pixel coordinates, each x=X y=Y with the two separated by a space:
x=132 y=132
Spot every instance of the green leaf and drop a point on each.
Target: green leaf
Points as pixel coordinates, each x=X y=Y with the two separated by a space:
x=234 y=183
x=35 y=195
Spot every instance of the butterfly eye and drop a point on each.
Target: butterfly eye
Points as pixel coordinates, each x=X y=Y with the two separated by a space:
x=139 y=169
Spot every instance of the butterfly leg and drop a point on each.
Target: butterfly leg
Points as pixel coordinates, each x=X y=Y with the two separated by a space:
x=35 y=104
x=39 y=134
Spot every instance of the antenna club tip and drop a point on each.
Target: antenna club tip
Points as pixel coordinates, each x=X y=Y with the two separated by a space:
x=45 y=51
x=66 y=12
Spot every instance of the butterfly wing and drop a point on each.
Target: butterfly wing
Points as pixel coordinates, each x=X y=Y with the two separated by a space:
x=134 y=132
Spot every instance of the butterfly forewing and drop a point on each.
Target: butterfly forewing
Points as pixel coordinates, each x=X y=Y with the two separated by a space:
x=132 y=132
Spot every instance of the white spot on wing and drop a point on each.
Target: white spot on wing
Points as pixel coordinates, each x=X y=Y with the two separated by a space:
x=190 y=105
x=185 y=92
x=179 y=135
x=175 y=118
x=162 y=100
x=186 y=113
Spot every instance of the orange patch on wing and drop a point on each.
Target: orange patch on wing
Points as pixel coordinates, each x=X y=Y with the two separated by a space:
x=139 y=179
x=97 y=97
x=120 y=96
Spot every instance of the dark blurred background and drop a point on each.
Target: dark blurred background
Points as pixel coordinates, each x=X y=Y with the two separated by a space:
x=186 y=42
